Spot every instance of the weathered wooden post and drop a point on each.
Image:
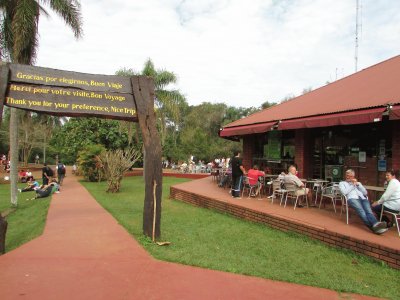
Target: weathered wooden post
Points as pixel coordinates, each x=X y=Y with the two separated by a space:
x=143 y=93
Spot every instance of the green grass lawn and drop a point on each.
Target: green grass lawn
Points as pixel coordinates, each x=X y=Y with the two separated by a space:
x=25 y=222
x=209 y=239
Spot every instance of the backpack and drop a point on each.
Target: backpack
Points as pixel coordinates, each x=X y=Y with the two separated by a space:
x=50 y=172
x=61 y=169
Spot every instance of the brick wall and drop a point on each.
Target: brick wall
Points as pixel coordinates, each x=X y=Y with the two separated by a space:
x=303 y=152
x=378 y=252
x=248 y=151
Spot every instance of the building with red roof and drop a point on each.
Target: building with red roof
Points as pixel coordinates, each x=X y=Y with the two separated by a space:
x=350 y=123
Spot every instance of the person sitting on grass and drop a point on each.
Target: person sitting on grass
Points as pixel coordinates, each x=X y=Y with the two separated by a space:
x=253 y=175
x=30 y=186
x=29 y=175
x=46 y=190
x=22 y=176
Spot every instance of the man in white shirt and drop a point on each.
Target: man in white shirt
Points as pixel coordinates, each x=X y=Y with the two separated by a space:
x=357 y=198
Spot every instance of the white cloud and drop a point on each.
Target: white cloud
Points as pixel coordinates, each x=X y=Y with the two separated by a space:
x=234 y=51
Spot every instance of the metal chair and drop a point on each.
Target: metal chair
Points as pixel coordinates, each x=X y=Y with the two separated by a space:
x=248 y=187
x=261 y=186
x=277 y=190
x=317 y=188
x=345 y=206
x=332 y=192
x=396 y=217
x=292 y=193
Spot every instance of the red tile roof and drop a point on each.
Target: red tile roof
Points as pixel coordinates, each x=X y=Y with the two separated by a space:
x=376 y=86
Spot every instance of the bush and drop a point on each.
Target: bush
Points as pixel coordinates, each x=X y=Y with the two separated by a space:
x=88 y=164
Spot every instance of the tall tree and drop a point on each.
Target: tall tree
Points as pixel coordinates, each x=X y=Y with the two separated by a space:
x=19 y=32
x=168 y=102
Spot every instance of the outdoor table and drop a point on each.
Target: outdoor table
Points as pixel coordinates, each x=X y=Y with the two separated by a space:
x=375 y=189
x=312 y=181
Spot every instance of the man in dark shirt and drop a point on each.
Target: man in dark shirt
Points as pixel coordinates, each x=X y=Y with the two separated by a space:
x=46 y=174
x=237 y=174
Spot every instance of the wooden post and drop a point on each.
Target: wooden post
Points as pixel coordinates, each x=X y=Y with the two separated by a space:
x=3 y=231
x=143 y=92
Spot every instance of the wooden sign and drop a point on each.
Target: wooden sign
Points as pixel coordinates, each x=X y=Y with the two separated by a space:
x=70 y=93
x=77 y=94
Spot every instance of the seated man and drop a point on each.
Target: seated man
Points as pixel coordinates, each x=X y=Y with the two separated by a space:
x=253 y=175
x=390 y=199
x=357 y=198
x=292 y=177
x=31 y=186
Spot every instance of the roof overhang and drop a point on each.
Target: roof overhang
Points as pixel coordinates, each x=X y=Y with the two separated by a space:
x=246 y=129
x=344 y=118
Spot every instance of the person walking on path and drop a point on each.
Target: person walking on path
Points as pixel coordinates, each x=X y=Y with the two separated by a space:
x=60 y=172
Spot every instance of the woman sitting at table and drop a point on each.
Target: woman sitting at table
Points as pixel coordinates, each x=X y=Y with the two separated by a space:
x=253 y=175
x=390 y=199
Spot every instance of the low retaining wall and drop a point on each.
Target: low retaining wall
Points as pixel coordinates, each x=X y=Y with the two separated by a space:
x=378 y=252
x=170 y=174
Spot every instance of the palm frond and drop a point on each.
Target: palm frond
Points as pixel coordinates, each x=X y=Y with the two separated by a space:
x=126 y=72
x=149 y=69
x=24 y=31
x=69 y=10
x=164 y=78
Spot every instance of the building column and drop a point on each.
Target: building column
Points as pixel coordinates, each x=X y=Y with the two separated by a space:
x=303 y=152
x=248 y=151
x=396 y=145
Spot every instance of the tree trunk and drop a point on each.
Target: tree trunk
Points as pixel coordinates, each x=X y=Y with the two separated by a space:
x=3 y=86
x=143 y=91
x=14 y=155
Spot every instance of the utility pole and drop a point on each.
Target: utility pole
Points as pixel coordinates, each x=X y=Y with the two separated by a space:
x=358 y=26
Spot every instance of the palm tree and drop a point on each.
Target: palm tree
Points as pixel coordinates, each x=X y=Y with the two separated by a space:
x=168 y=102
x=19 y=36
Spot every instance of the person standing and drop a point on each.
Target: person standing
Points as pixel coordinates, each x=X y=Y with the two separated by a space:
x=237 y=174
x=60 y=172
x=37 y=159
x=357 y=198
x=46 y=174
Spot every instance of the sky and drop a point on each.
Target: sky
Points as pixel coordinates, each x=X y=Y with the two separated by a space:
x=238 y=52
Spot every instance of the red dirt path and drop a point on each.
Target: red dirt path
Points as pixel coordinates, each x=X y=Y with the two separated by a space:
x=85 y=254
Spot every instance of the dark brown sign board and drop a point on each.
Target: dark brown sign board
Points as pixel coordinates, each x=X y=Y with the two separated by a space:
x=68 y=93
